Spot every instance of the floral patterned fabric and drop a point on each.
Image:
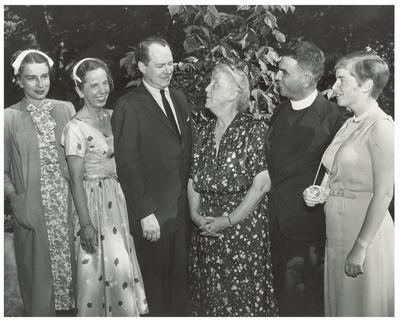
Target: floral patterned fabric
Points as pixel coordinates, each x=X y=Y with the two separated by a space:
x=231 y=276
x=54 y=193
x=109 y=282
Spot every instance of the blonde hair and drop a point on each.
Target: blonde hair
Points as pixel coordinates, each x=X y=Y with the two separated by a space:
x=364 y=65
x=241 y=82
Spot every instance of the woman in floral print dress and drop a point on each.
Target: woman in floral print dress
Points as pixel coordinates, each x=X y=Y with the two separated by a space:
x=230 y=262
x=109 y=281
x=36 y=183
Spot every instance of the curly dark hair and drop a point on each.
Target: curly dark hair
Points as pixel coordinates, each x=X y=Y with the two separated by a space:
x=308 y=56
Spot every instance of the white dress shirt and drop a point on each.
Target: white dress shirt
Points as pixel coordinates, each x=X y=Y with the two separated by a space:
x=157 y=96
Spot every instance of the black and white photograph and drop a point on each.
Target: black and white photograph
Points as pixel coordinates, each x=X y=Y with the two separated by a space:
x=198 y=160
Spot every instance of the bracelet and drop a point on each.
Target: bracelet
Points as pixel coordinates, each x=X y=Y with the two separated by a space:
x=229 y=219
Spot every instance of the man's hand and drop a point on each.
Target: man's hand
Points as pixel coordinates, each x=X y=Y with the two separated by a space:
x=151 y=228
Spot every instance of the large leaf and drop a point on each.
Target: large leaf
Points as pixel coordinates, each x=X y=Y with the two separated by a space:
x=246 y=7
x=203 y=42
x=190 y=29
x=261 y=51
x=250 y=37
x=173 y=10
x=213 y=10
x=191 y=44
x=280 y=8
x=211 y=17
x=280 y=37
x=197 y=17
x=263 y=65
x=243 y=42
x=206 y=32
x=272 y=56
x=215 y=49
x=191 y=59
x=270 y=20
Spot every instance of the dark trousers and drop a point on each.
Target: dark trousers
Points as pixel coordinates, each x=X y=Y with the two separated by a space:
x=164 y=267
x=298 y=275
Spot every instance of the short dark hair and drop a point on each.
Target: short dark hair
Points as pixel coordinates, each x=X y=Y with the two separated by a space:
x=31 y=58
x=365 y=65
x=89 y=65
x=142 y=50
x=308 y=56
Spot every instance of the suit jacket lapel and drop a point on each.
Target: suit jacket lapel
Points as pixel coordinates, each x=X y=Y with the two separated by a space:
x=183 y=117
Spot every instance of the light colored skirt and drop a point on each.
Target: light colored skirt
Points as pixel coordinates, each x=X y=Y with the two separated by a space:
x=109 y=282
x=371 y=293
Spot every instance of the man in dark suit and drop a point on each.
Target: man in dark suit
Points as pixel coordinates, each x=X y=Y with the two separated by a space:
x=152 y=140
x=301 y=129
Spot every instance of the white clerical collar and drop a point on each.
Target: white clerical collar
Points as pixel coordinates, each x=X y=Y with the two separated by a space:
x=305 y=102
x=154 y=91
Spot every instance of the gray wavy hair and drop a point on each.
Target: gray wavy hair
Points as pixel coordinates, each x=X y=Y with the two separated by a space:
x=241 y=82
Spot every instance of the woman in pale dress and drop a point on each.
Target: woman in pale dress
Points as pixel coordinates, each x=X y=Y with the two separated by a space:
x=36 y=183
x=108 y=276
x=357 y=190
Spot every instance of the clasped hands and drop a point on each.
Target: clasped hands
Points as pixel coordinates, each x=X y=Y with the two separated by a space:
x=211 y=226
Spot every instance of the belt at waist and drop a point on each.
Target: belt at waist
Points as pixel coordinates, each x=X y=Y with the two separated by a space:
x=349 y=194
x=96 y=178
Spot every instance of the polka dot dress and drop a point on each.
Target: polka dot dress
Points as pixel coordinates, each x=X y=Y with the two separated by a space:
x=109 y=282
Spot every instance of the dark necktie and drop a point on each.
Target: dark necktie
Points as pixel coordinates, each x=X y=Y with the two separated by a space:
x=168 y=110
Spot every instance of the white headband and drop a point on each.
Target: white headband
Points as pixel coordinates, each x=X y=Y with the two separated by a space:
x=17 y=62
x=74 y=76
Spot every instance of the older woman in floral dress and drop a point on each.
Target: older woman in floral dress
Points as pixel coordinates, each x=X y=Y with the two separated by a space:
x=230 y=265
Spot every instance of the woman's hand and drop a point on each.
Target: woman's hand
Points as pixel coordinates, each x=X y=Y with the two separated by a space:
x=314 y=195
x=88 y=237
x=201 y=221
x=215 y=225
x=353 y=265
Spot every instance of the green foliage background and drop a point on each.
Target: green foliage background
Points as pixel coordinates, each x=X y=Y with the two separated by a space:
x=248 y=36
